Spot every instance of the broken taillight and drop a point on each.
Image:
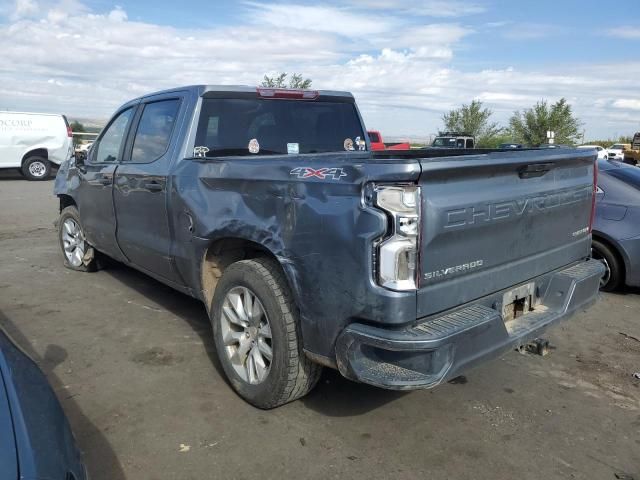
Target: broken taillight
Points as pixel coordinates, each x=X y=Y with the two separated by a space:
x=288 y=93
x=593 y=196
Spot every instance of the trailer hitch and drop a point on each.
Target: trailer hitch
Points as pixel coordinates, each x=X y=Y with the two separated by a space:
x=539 y=346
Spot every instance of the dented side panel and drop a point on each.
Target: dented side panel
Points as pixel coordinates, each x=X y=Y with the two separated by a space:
x=318 y=229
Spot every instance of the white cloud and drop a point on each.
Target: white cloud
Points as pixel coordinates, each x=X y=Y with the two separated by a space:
x=404 y=77
x=626 y=32
x=426 y=8
x=627 y=103
x=338 y=20
x=23 y=8
x=117 y=15
x=530 y=31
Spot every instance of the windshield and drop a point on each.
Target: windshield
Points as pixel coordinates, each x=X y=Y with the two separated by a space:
x=617 y=146
x=444 y=142
x=258 y=126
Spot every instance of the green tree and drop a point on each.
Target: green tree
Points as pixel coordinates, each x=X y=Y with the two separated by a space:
x=475 y=120
x=530 y=126
x=280 y=81
x=77 y=127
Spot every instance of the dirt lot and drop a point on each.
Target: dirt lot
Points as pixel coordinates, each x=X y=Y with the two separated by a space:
x=134 y=365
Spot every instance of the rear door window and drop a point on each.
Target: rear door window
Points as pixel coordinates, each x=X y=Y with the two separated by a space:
x=259 y=126
x=154 y=130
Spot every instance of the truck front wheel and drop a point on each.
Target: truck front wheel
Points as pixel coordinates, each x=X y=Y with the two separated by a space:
x=255 y=327
x=78 y=254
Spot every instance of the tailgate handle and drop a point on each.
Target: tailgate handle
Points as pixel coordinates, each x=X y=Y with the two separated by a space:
x=534 y=170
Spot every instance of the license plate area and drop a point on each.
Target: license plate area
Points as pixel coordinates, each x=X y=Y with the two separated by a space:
x=518 y=302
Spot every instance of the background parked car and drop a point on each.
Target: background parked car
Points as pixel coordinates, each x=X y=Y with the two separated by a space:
x=33 y=142
x=454 y=140
x=602 y=152
x=35 y=437
x=632 y=154
x=616 y=227
x=616 y=151
x=378 y=143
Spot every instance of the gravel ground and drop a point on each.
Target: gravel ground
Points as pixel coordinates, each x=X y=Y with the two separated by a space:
x=134 y=366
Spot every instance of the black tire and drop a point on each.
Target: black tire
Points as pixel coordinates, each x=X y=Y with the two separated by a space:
x=613 y=279
x=36 y=168
x=291 y=374
x=89 y=261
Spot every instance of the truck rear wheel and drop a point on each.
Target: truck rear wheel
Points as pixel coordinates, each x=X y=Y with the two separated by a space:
x=255 y=327
x=36 y=168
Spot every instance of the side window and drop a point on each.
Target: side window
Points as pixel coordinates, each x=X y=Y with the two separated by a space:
x=108 y=147
x=460 y=143
x=154 y=130
x=469 y=143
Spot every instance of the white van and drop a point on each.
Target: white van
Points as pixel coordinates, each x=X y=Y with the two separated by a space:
x=33 y=142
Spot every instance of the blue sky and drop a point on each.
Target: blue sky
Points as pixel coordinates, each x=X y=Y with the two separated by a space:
x=407 y=62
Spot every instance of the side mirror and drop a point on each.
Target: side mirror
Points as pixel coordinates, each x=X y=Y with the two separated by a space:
x=80 y=158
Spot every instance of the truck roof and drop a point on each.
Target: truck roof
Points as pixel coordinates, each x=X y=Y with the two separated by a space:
x=200 y=90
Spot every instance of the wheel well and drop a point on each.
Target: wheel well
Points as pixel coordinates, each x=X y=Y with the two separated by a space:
x=38 y=152
x=66 y=201
x=614 y=250
x=222 y=253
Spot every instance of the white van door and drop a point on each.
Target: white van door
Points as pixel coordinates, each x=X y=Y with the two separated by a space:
x=13 y=127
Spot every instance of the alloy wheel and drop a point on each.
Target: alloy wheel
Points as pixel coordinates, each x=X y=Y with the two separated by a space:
x=73 y=241
x=246 y=334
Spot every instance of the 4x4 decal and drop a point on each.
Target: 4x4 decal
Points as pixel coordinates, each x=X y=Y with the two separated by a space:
x=321 y=173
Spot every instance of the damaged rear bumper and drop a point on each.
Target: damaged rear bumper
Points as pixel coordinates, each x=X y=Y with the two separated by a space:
x=443 y=346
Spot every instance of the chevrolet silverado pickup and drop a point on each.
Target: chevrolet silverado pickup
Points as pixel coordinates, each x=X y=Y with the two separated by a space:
x=399 y=269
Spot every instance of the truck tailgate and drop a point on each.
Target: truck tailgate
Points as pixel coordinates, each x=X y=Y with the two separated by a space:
x=497 y=220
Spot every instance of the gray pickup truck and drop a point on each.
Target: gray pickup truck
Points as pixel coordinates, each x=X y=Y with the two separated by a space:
x=401 y=269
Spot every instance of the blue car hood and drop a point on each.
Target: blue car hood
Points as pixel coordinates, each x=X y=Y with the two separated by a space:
x=42 y=443
x=8 y=454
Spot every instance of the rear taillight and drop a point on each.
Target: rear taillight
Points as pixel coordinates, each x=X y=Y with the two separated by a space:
x=69 y=132
x=593 y=196
x=288 y=93
x=397 y=255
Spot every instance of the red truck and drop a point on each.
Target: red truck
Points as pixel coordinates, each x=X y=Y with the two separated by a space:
x=378 y=144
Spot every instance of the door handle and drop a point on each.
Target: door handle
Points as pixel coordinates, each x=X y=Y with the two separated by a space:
x=105 y=181
x=154 y=186
x=534 y=170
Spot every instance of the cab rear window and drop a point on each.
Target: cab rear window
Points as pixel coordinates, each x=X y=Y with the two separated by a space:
x=273 y=127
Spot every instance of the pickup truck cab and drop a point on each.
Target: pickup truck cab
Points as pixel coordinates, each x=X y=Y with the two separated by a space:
x=400 y=269
x=377 y=143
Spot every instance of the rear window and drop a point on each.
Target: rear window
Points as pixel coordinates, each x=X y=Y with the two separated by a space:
x=630 y=176
x=444 y=142
x=257 y=126
x=374 y=137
